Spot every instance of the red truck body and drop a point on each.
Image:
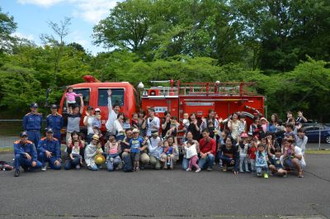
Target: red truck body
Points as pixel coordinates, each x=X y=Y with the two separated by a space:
x=177 y=98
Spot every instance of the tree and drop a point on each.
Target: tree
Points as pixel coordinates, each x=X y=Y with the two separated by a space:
x=61 y=30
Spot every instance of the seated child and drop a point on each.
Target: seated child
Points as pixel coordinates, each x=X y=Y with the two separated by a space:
x=75 y=153
x=276 y=166
x=112 y=150
x=167 y=155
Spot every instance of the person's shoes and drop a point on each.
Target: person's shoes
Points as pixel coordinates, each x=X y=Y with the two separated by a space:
x=17 y=173
x=209 y=169
x=198 y=170
x=44 y=168
x=188 y=169
x=241 y=171
x=137 y=169
x=248 y=171
x=300 y=175
x=224 y=169
x=26 y=169
x=266 y=175
x=285 y=175
x=78 y=167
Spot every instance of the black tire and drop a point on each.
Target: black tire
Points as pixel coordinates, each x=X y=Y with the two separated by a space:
x=327 y=139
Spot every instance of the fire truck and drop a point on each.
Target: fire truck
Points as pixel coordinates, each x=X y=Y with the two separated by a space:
x=176 y=97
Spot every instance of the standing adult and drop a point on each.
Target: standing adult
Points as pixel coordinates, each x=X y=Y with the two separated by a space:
x=234 y=125
x=25 y=154
x=207 y=148
x=142 y=123
x=88 y=122
x=74 y=118
x=301 y=118
x=49 y=151
x=194 y=127
x=32 y=123
x=113 y=111
x=166 y=125
x=301 y=140
x=55 y=122
x=153 y=122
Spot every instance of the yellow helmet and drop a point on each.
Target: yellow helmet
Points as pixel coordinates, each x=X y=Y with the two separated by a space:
x=99 y=159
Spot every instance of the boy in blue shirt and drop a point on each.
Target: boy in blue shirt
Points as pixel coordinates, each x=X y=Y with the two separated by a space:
x=136 y=146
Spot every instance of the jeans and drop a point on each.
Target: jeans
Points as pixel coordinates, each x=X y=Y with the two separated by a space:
x=253 y=165
x=185 y=163
x=113 y=162
x=43 y=158
x=206 y=162
x=243 y=160
x=226 y=161
x=69 y=164
x=260 y=169
x=21 y=160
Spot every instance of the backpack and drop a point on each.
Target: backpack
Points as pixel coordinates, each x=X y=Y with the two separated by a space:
x=127 y=166
x=5 y=166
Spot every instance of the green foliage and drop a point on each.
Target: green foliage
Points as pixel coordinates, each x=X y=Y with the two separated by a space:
x=18 y=88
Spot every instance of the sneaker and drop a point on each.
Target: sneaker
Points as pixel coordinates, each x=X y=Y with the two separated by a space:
x=241 y=171
x=44 y=168
x=198 y=170
x=78 y=167
x=224 y=169
x=258 y=174
x=266 y=175
x=285 y=175
x=26 y=169
x=188 y=169
x=137 y=169
x=209 y=169
x=248 y=171
x=17 y=173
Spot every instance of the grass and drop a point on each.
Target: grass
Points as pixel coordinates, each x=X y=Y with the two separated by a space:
x=318 y=152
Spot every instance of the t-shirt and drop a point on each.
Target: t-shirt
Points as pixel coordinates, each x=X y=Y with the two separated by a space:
x=276 y=161
x=229 y=152
x=191 y=151
x=135 y=144
x=153 y=124
x=261 y=159
x=298 y=151
x=75 y=150
x=71 y=97
x=252 y=152
x=73 y=123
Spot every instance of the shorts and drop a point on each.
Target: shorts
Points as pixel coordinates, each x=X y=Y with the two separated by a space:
x=72 y=105
x=135 y=156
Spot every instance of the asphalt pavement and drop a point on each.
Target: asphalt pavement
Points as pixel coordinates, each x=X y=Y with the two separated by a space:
x=165 y=194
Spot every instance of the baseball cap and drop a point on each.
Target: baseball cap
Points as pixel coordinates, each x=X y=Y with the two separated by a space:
x=90 y=108
x=49 y=130
x=96 y=137
x=23 y=134
x=154 y=132
x=34 y=105
x=136 y=131
x=244 y=135
x=53 y=106
x=97 y=110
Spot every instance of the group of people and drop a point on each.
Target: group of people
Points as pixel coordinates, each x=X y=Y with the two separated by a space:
x=146 y=140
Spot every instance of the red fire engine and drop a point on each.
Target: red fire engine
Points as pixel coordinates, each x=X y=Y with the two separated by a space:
x=178 y=98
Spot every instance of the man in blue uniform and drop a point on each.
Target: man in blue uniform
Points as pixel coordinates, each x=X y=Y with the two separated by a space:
x=25 y=154
x=49 y=151
x=32 y=123
x=55 y=122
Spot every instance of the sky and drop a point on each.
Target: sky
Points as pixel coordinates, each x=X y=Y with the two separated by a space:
x=33 y=17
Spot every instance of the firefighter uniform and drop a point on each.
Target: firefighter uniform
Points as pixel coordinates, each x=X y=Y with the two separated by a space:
x=21 y=149
x=32 y=123
x=52 y=145
x=55 y=122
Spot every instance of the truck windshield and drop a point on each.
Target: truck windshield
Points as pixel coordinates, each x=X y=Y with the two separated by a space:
x=117 y=97
x=86 y=94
